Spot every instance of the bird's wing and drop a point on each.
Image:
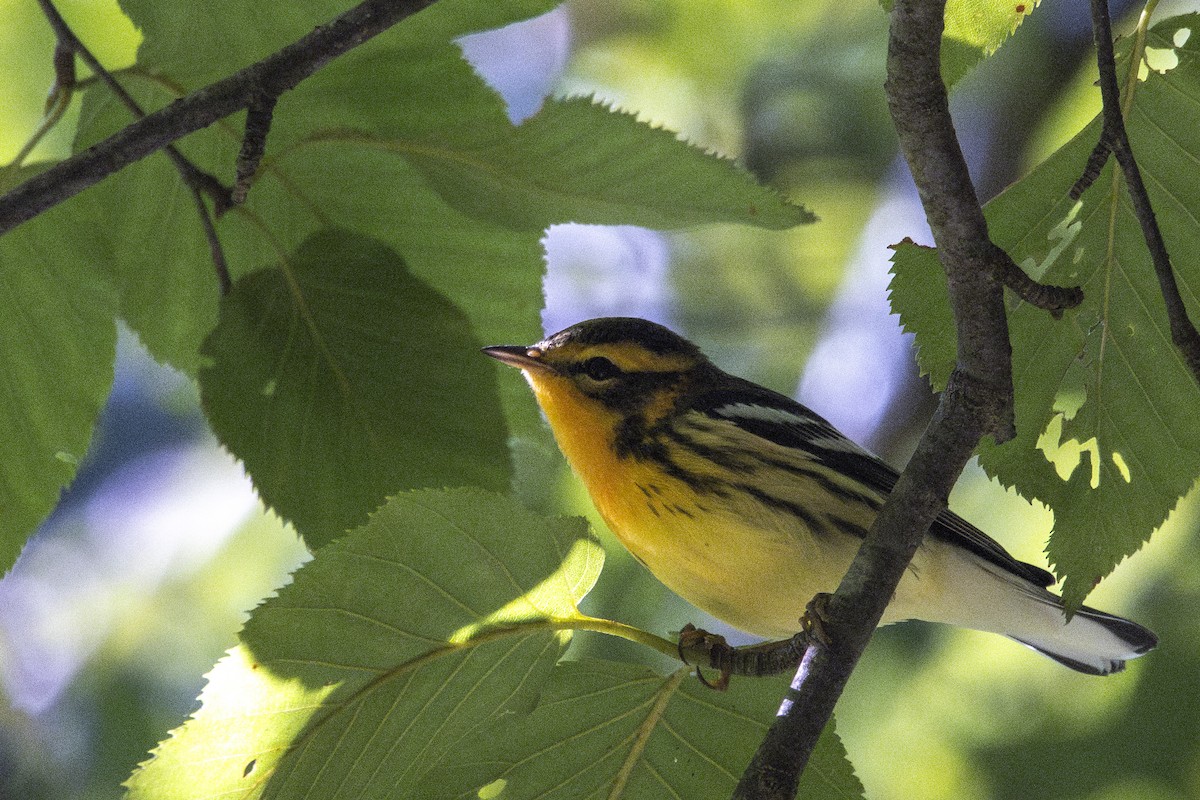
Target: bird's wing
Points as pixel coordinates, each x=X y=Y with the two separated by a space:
x=781 y=420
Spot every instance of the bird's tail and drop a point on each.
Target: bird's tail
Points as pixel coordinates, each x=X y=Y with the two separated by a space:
x=1092 y=642
x=1000 y=601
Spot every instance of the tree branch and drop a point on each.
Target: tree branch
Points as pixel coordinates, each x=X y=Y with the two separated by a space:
x=1114 y=140
x=273 y=75
x=1054 y=299
x=977 y=401
x=197 y=180
x=254 y=143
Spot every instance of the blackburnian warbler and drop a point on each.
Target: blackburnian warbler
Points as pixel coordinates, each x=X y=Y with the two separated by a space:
x=748 y=504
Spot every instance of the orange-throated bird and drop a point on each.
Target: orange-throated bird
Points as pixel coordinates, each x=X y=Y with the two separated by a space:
x=748 y=504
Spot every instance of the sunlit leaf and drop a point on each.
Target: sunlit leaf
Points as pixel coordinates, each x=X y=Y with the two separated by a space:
x=391 y=651
x=1105 y=380
x=974 y=30
x=977 y=28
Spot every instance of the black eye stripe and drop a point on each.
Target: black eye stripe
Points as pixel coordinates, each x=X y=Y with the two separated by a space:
x=598 y=368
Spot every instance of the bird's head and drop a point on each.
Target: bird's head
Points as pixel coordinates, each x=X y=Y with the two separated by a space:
x=612 y=367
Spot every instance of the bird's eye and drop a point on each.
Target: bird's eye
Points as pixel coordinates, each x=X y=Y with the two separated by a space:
x=599 y=368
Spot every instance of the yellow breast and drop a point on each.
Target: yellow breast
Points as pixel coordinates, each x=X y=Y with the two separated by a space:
x=740 y=563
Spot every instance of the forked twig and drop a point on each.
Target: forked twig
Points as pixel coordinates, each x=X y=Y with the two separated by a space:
x=197 y=180
x=273 y=75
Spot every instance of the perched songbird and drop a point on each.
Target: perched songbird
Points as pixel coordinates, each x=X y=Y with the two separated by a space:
x=747 y=504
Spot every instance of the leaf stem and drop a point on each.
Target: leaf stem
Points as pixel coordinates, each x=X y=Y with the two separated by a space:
x=621 y=631
x=1135 y=59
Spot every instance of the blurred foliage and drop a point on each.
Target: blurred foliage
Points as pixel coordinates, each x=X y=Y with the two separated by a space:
x=26 y=44
x=131 y=636
x=793 y=90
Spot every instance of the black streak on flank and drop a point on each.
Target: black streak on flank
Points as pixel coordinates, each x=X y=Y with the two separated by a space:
x=783 y=505
x=847 y=527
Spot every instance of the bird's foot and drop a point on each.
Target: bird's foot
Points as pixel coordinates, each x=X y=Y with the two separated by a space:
x=757 y=660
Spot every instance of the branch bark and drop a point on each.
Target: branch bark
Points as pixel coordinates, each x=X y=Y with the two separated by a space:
x=977 y=402
x=273 y=76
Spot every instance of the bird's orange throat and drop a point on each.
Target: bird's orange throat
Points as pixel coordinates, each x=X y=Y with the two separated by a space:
x=585 y=430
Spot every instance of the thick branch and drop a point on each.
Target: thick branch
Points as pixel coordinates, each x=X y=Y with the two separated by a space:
x=977 y=402
x=273 y=75
x=1114 y=139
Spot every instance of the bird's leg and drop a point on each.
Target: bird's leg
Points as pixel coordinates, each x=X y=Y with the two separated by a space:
x=816 y=614
x=756 y=660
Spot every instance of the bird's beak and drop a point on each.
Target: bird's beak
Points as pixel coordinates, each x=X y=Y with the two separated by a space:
x=519 y=356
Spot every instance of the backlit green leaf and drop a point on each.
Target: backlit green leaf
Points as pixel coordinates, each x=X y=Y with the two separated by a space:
x=390 y=652
x=975 y=29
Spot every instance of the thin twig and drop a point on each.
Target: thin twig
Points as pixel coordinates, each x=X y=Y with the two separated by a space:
x=275 y=75
x=197 y=180
x=64 y=72
x=1114 y=139
x=977 y=401
x=68 y=40
x=1054 y=299
x=254 y=143
x=57 y=103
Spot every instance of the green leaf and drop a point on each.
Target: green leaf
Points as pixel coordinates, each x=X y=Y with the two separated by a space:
x=975 y=29
x=56 y=366
x=390 y=651
x=918 y=296
x=199 y=42
x=605 y=729
x=340 y=378
x=433 y=114
x=493 y=274
x=579 y=161
x=152 y=240
x=448 y=19
x=151 y=243
x=574 y=161
x=1107 y=413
